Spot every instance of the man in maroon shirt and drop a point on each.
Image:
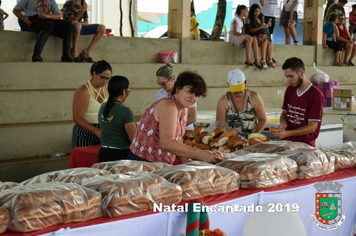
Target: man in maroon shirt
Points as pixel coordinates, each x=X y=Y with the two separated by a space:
x=302 y=106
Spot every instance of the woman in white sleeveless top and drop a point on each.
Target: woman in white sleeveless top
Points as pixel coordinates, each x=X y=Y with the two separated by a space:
x=86 y=103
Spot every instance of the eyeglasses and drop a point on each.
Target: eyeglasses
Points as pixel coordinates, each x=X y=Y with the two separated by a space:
x=162 y=83
x=342 y=18
x=128 y=90
x=103 y=78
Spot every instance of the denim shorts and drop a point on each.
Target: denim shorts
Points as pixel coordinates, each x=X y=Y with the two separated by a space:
x=285 y=18
x=88 y=29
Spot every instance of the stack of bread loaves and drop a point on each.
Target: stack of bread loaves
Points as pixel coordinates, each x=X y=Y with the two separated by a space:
x=125 y=166
x=4 y=219
x=199 y=179
x=261 y=170
x=38 y=206
x=66 y=176
x=344 y=154
x=311 y=162
x=276 y=146
x=7 y=185
x=133 y=192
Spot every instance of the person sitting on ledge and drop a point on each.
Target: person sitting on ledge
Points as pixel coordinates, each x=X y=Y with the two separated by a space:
x=44 y=18
x=239 y=38
x=343 y=36
x=76 y=12
x=329 y=39
x=258 y=29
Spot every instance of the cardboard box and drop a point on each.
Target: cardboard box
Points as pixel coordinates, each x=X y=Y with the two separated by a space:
x=343 y=100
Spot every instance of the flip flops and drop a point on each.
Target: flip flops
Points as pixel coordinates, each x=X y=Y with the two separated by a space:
x=85 y=57
x=78 y=59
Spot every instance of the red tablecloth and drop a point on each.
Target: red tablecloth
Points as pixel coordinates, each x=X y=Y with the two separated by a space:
x=340 y=174
x=87 y=156
x=84 y=156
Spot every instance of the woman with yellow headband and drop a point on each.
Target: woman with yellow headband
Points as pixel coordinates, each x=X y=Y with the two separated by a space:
x=240 y=108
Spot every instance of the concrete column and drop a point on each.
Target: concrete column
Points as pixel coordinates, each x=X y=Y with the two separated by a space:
x=179 y=19
x=313 y=26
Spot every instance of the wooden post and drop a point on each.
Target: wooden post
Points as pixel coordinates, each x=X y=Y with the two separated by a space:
x=179 y=19
x=313 y=26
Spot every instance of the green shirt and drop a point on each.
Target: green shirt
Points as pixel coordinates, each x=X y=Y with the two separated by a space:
x=113 y=131
x=334 y=8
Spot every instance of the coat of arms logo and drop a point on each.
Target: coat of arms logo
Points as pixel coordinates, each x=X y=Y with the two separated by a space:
x=328 y=205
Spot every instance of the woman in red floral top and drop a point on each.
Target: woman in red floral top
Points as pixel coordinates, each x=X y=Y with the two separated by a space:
x=159 y=135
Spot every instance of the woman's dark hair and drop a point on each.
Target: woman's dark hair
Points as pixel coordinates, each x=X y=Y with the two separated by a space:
x=100 y=66
x=192 y=79
x=294 y=63
x=332 y=17
x=239 y=9
x=117 y=85
x=251 y=15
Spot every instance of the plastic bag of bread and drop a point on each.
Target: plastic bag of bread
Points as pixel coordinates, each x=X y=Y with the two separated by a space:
x=7 y=185
x=133 y=192
x=125 y=166
x=4 y=219
x=38 y=206
x=311 y=162
x=227 y=155
x=66 y=176
x=262 y=170
x=276 y=146
x=199 y=179
x=344 y=154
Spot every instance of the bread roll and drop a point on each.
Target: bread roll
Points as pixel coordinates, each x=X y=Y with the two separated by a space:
x=207 y=139
x=189 y=134
x=198 y=139
x=217 y=132
x=226 y=149
x=202 y=146
x=257 y=135
x=239 y=147
x=229 y=133
x=212 y=143
x=189 y=143
x=234 y=141
x=220 y=141
x=198 y=130
x=273 y=130
x=253 y=141
x=205 y=133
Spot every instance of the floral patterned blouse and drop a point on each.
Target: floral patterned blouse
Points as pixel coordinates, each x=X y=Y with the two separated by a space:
x=145 y=143
x=248 y=117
